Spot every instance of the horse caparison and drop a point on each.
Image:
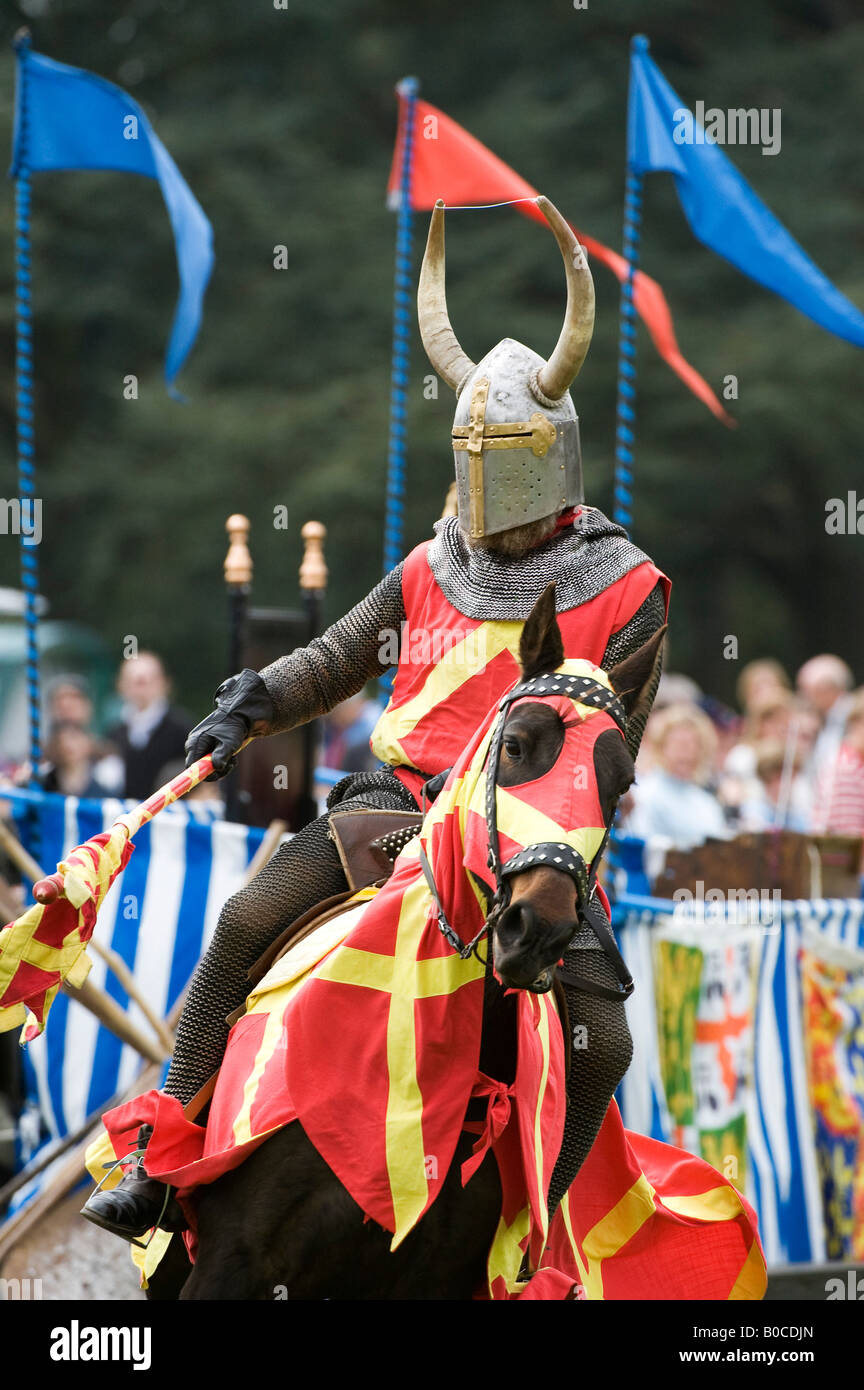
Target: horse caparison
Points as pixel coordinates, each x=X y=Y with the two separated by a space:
x=281 y=1224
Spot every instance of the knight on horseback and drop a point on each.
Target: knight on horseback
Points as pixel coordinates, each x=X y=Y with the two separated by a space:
x=521 y=523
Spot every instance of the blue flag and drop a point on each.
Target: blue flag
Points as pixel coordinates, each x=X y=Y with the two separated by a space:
x=723 y=211
x=66 y=118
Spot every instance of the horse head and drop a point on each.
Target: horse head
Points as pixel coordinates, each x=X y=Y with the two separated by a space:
x=560 y=763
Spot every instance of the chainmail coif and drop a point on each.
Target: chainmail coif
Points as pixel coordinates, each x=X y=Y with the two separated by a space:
x=582 y=560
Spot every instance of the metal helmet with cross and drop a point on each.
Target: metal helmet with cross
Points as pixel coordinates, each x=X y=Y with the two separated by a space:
x=515 y=431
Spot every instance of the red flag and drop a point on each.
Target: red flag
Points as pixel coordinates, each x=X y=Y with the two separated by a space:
x=449 y=163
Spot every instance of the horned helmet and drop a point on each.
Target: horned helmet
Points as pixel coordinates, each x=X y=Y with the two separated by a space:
x=515 y=431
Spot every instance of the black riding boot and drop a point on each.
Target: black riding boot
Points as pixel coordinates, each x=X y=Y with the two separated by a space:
x=136 y=1203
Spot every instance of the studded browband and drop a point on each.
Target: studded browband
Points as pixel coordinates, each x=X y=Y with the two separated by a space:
x=588 y=691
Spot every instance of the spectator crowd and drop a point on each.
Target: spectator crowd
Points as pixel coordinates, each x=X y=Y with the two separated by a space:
x=145 y=746
x=140 y=751
x=790 y=757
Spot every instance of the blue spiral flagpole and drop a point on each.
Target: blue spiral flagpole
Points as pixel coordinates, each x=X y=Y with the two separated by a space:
x=24 y=402
x=402 y=318
x=625 y=414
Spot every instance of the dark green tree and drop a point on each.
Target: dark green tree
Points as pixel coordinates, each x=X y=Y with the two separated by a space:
x=282 y=121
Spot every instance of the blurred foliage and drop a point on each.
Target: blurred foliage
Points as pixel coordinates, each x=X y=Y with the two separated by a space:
x=282 y=121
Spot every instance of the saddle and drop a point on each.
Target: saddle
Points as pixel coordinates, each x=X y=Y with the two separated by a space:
x=368 y=843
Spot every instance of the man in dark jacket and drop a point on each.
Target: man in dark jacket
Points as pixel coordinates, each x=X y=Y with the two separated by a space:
x=151 y=732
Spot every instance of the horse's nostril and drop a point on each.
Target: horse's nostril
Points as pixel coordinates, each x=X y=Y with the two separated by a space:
x=527 y=947
x=513 y=923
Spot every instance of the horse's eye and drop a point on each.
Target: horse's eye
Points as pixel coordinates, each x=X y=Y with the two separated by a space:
x=512 y=746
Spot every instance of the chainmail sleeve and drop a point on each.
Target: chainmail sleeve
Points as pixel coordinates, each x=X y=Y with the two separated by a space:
x=308 y=682
x=650 y=615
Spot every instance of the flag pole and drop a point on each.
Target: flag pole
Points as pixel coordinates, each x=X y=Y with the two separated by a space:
x=625 y=411
x=402 y=316
x=24 y=401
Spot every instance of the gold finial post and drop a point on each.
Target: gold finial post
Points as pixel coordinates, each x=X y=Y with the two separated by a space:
x=238 y=561
x=313 y=582
x=238 y=581
x=313 y=570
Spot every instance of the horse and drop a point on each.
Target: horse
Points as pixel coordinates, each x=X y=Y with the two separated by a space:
x=281 y=1225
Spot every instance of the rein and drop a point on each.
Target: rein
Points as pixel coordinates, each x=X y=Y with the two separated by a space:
x=563 y=857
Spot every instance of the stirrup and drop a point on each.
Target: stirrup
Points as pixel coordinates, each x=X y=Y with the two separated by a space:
x=138 y=1155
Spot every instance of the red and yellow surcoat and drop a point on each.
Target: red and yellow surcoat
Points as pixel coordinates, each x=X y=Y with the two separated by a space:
x=452 y=669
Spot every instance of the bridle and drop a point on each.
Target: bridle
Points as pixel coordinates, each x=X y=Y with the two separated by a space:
x=587 y=691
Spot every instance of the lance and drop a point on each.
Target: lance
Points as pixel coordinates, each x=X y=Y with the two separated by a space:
x=94 y=999
x=45 y=948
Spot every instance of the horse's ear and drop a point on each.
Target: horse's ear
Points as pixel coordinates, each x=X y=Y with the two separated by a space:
x=633 y=678
x=541 y=647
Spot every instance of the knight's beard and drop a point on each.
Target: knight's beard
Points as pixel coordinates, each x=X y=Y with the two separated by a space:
x=518 y=540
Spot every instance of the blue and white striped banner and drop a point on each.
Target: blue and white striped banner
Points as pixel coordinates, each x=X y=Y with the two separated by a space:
x=159 y=916
x=782 y=1177
x=161 y=912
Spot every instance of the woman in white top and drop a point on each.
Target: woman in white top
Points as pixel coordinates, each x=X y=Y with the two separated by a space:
x=670 y=800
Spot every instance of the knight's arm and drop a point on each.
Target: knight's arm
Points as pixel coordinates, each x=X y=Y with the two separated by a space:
x=650 y=615
x=307 y=682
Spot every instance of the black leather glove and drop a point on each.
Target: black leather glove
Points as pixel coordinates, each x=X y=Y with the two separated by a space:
x=241 y=701
x=435 y=785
